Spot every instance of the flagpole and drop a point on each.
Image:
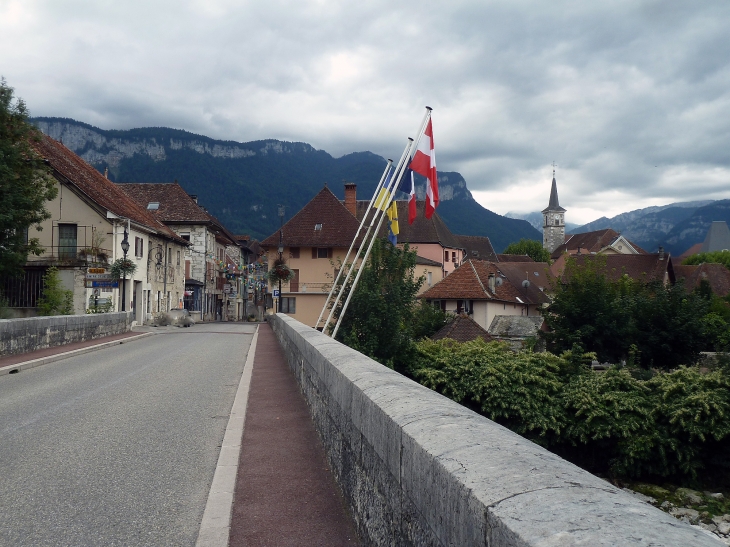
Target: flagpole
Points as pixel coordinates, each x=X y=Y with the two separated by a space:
x=401 y=161
x=399 y=175
x=352 y=245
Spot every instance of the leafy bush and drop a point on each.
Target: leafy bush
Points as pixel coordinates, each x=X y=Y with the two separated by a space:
x=673 y=425
x=608 y=317
x=55 y=300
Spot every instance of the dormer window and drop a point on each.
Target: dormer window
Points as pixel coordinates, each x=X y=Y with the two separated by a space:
x=317 y=227
x=153 y=205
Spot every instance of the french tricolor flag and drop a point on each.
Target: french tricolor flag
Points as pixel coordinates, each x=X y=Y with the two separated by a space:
x=424 y=163
x=408 y=186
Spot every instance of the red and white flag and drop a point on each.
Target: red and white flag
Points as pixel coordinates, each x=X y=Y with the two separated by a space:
x=424 y=163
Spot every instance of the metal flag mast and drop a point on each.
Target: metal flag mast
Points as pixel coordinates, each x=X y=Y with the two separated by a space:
x=365 y=238
x=395 y=182
x=383 y=177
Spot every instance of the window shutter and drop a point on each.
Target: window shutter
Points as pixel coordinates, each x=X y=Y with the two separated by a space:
x=314 y=252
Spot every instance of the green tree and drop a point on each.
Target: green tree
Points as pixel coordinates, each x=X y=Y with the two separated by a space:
x=379 y=321
x=664 y=324
x=529 y=247
x=55 y=300
x=717 y=257
x=25 y=183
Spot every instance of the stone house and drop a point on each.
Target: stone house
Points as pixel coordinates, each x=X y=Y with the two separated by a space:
x=90 y=216
x=212 y=263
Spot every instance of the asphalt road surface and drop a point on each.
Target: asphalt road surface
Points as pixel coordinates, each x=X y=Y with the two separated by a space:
x=118 y=446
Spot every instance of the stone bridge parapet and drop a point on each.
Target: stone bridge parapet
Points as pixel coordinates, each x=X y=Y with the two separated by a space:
x=33 y=333
x=419 y=469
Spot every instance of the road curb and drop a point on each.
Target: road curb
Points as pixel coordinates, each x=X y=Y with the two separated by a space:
x=216 y=524
x=8 y=369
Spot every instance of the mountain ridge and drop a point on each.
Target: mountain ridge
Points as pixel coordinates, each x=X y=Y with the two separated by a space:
x=243 y=183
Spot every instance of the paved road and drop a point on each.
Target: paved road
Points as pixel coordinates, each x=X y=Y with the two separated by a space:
x=118 y=446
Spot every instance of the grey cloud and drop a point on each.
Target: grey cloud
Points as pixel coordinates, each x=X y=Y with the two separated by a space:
x=623 y=93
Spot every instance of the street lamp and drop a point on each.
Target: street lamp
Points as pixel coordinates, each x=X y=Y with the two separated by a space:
x=281 y=250
x=125 y=248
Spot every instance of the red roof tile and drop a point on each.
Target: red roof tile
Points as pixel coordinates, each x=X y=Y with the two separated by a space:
x=591 y=242
x=643 y=267
x=462 y=329
x=323 y=222
x=70 y=168
x=716 y=274
x=470 y=281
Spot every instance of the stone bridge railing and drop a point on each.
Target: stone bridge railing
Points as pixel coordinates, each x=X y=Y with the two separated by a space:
x=418 y=469
x=32 y=333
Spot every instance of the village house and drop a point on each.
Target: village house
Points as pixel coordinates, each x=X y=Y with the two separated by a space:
x=315 y=241
x=90 y=221
x=213 y=261
x=484 y=290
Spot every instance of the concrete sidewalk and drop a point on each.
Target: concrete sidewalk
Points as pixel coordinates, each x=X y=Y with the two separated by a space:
x=285 y=492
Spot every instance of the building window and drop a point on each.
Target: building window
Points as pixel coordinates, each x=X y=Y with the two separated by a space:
x=178 y=258
x=453 y=256
x=186 y=237
x=446 y=256
x=294 y=252
x=557 y=222
x=288 y=305
x=138 y=247
x=67 y=240
x=169 y=256
x=321 y=252
x=294 y=282
x=429 y=278
x=317 y=227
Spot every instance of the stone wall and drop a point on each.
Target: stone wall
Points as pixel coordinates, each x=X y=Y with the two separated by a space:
x=418 y=469
x=32 y=333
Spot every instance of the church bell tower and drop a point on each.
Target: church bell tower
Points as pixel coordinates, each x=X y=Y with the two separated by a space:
x=553 y=221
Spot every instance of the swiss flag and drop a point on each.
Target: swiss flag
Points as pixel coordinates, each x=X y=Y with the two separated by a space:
x=424 y=163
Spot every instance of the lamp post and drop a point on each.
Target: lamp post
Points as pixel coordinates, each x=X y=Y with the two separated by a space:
x=281 y=250
x=125 y=248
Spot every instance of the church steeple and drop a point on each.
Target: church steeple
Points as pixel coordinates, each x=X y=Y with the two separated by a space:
x=553 y=226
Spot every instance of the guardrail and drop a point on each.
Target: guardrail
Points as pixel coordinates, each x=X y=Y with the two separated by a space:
x=418 y=469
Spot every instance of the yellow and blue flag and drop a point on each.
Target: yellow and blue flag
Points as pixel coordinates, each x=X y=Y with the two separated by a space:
x=393 y=228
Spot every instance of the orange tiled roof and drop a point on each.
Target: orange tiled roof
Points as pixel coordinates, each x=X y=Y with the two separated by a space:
x=716 y=274
x=591 y=242
x=462 y=329
x=643 y=267
x=176 y=206
x=70 y=168
x=323 y=222
x=470 y=281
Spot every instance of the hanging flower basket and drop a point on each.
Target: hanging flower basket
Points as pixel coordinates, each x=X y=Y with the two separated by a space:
x=280 y=271
x=122 y=268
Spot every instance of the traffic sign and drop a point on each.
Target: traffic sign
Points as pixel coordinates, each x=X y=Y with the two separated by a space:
x=276 y=293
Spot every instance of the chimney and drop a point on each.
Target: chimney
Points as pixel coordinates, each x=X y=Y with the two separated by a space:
x=491 y=281
x=194 y=197
x=351 y=197
x=661 y=252
x=106 y=172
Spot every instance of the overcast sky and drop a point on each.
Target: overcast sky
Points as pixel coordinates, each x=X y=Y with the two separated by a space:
x=631 y=99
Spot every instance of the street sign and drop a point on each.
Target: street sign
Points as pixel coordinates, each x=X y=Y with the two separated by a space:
x=108 y=283
x=276 y=293
x=96 y=292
